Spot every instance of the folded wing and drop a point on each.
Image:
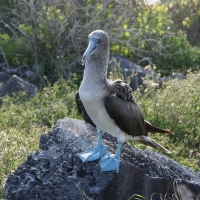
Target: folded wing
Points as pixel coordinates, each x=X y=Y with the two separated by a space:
x=82 y=110
x=126 y=114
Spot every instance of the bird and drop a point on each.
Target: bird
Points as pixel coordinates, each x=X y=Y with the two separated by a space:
x=109 y=106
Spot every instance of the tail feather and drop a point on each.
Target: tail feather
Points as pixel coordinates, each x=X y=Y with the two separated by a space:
x=150 y=142
x=154 y=129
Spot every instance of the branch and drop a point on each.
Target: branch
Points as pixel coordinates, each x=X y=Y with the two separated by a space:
x=4 y=57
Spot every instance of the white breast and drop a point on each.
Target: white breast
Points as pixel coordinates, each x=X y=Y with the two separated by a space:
x=93 y=101
x=92 y=98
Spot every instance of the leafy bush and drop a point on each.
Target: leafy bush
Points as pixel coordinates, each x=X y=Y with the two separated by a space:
x=53 y=34
x=175 y=106
x=11 y=46
x=185 y=56
x=186 y=16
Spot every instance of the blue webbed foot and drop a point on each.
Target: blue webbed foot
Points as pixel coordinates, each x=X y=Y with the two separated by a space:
x=93 y=154
x=111 y=162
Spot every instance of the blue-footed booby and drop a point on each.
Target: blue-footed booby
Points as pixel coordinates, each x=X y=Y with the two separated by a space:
x=109 y=106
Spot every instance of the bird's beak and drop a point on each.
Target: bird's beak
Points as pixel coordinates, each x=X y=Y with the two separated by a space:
x=87 y=54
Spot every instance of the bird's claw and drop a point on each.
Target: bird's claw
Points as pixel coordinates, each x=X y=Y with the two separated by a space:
x=110 y=163
x=93 y=154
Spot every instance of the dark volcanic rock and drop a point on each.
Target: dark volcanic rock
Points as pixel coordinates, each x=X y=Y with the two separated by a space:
x=16 y=84
x=175 y=75
x=137 y=73
x=24 y=72
x=55 y=173
x=4 y=77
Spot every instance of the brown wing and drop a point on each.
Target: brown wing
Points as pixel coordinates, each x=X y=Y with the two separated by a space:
x=82 y=110
x=121 y=89
x=126 y=114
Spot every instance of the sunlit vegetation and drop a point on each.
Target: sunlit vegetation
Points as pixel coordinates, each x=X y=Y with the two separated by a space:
x=52 y=35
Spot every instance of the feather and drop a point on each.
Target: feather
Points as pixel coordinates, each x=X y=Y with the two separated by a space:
x=82 y=110
x=126 y=114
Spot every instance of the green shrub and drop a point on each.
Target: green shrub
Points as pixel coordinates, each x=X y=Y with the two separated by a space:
x=13 y=49
x=175 y=106
x=54 y=36
x=186 y=57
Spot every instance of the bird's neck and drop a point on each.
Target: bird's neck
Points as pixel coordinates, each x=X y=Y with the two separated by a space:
x=96 y=69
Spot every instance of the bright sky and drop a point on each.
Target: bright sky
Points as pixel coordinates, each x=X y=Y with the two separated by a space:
x=151 y=1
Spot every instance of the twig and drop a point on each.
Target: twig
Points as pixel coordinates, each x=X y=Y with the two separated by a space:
x=4 y=57
x=80 y=191
x=11 y=54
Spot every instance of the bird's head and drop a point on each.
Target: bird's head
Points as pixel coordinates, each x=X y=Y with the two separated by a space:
x=98 y=43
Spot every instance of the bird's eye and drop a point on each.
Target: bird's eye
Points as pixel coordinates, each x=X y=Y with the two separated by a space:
x=98 y=42
x=95 y=40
